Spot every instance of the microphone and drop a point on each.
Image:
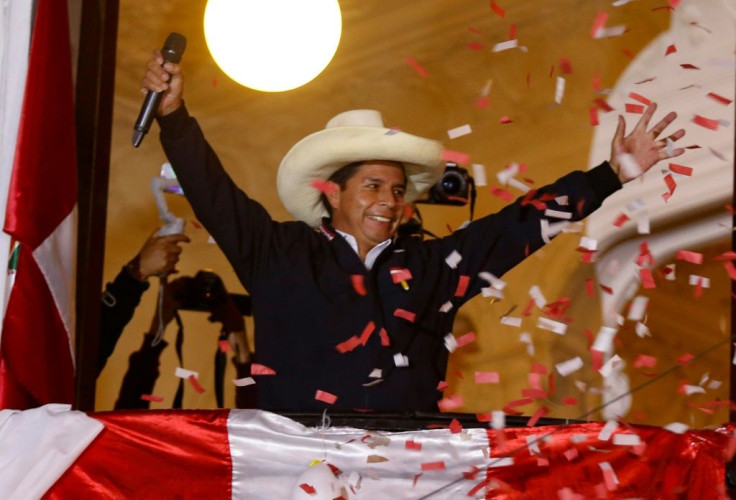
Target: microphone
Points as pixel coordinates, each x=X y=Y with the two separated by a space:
x=172 y=52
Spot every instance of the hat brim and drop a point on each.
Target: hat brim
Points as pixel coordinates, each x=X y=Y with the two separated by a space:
x=319 y=155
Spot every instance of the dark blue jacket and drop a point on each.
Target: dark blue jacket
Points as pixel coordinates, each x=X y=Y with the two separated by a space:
x=306 y=303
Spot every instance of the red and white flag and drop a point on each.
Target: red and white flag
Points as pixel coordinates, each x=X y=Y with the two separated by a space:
x=254 y=454
x=36 y=358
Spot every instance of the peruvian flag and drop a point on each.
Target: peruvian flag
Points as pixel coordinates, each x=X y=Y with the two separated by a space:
x=36 y=363
x=55 y=453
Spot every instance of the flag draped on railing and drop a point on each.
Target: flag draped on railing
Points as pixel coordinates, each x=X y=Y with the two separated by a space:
x=36 y=357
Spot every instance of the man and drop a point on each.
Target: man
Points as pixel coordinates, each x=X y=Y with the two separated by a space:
x=347 y=315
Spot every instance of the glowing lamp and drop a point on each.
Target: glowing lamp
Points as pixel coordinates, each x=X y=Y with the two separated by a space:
x=272 y=45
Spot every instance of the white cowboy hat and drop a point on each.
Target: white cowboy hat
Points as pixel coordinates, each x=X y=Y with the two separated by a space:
x=357 y=135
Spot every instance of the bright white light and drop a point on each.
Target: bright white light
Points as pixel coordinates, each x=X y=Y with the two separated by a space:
x=272 y=45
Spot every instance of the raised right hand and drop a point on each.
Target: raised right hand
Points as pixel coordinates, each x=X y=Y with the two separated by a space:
x=168 y=79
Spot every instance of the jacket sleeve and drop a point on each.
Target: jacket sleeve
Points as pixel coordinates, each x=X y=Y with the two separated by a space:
x=119 y=301
x=498 y=242
x=240 y=226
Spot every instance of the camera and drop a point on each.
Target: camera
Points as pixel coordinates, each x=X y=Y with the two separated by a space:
x=452 y=188
x=205 y=291
x=202 y=292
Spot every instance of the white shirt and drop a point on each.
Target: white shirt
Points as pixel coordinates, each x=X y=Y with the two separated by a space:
x=372 y=254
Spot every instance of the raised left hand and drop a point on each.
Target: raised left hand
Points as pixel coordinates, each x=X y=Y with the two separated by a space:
x=636 y=153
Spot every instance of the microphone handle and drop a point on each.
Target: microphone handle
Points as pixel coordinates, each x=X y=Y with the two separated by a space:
x=172 y=51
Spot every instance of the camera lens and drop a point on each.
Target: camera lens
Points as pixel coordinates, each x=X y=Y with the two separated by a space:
x=451 y=184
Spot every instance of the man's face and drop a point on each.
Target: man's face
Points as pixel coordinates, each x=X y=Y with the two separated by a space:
x=371 y=205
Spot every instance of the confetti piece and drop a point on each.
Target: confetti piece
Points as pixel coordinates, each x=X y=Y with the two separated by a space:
x=604 y=340
x=507 y=45
x=681 y=169
x=638 y=308
x=433 y=465
x=719 y=98
x=497 y=9
x=541 y=412
x=367 y=332
x=258 y=369
x=634 y=108
x=609 y=476
x=676 y=427
x=671 y=186
x=640 y=98
x=671 y=49
x=182 y=373
x=612 y=32
x=504 y=120
x=375 y=459
x=688 y=66
x=400 y=360
x=404 y=314
x=465 y=339
x=501 y=193
x=565 y=66
x=511 y=321
x=442 y=385
x=554 y=326
x=626 y=439
x=479 y=174
x=687 y=256
x=455 y=157
x=450 y=403
x=603 y=105
x=598 y=23
x=416 y=66
x=589 y=287
x=559 y=89
x=502 y=462
x=535 y=293
x=385 y=341
x=645 y=361
x=593 y=114
x=224 y=345
x=446 y=307
x=642 y=330
x=460 y=131
x=695 y=280
x=151 y=397
x=358 y=282
x=565 y=368
x=308 y=489
x=706 y=122
x=462 y=285
x=475 y=46
x=455 y=426
x=348 y=345
x=482 y=102
x=195 y=383
x=325 y=397
x=325 y=187
x=399 y=274
x=453 y=259
x=487 y=378
x=244 y=382
x=621 y=220
x=413 y=445
x=607 y=430
x=647 y=280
